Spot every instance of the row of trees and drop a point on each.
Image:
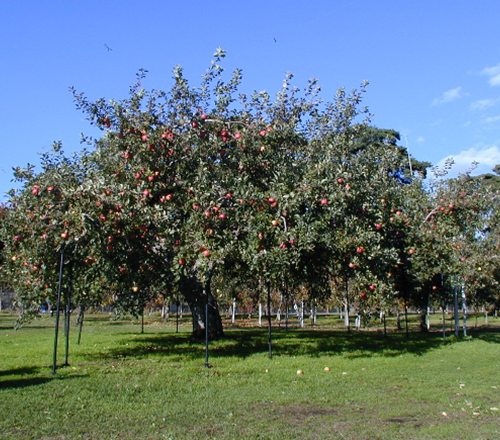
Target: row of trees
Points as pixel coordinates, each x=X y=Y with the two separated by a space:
x=203 y=186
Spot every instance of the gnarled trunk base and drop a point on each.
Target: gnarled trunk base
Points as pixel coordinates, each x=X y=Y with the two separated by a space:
x=196 y=296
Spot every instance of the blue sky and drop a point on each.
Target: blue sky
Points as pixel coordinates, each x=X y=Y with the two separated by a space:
x=433 y=66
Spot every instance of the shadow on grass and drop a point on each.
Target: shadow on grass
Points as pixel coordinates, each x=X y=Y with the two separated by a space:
x=26 y=378
x=22 y=370
x=487 y=334
x=23 y=383
x=242 y=343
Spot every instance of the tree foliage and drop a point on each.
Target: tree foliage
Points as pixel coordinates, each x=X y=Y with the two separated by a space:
x=189 y=185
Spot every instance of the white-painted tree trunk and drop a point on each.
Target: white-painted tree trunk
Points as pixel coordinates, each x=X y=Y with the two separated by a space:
x=357 y=322
x=233 y=311
x=164 y=312
x=260 y=314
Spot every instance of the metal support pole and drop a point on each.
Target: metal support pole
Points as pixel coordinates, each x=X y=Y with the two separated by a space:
x=464 y=311
x=457 y=318
x=58 y=311
x=67 y=325
x=205 y=291
x=80 y=322
x=269 y=327
x=207 y=364
x=177 y=315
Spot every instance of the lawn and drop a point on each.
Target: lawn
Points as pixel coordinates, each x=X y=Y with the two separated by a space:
x=122 y=384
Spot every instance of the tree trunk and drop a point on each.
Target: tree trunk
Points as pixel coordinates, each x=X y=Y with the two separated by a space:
x=423 y=320
x=193 y=291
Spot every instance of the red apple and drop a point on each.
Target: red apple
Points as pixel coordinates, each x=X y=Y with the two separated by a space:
x=64 y=235
x=263 y=132
x=360 y=249
x=340 y=180
x=144 y=137
x=146 y=193
x=206 y=253
x=324 y=201
x=222 y=216
x=207 y=213
x=275 y=222
x=378 y=226
x=411 y=251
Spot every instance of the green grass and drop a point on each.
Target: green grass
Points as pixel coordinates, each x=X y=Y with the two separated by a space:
x=122 y=384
